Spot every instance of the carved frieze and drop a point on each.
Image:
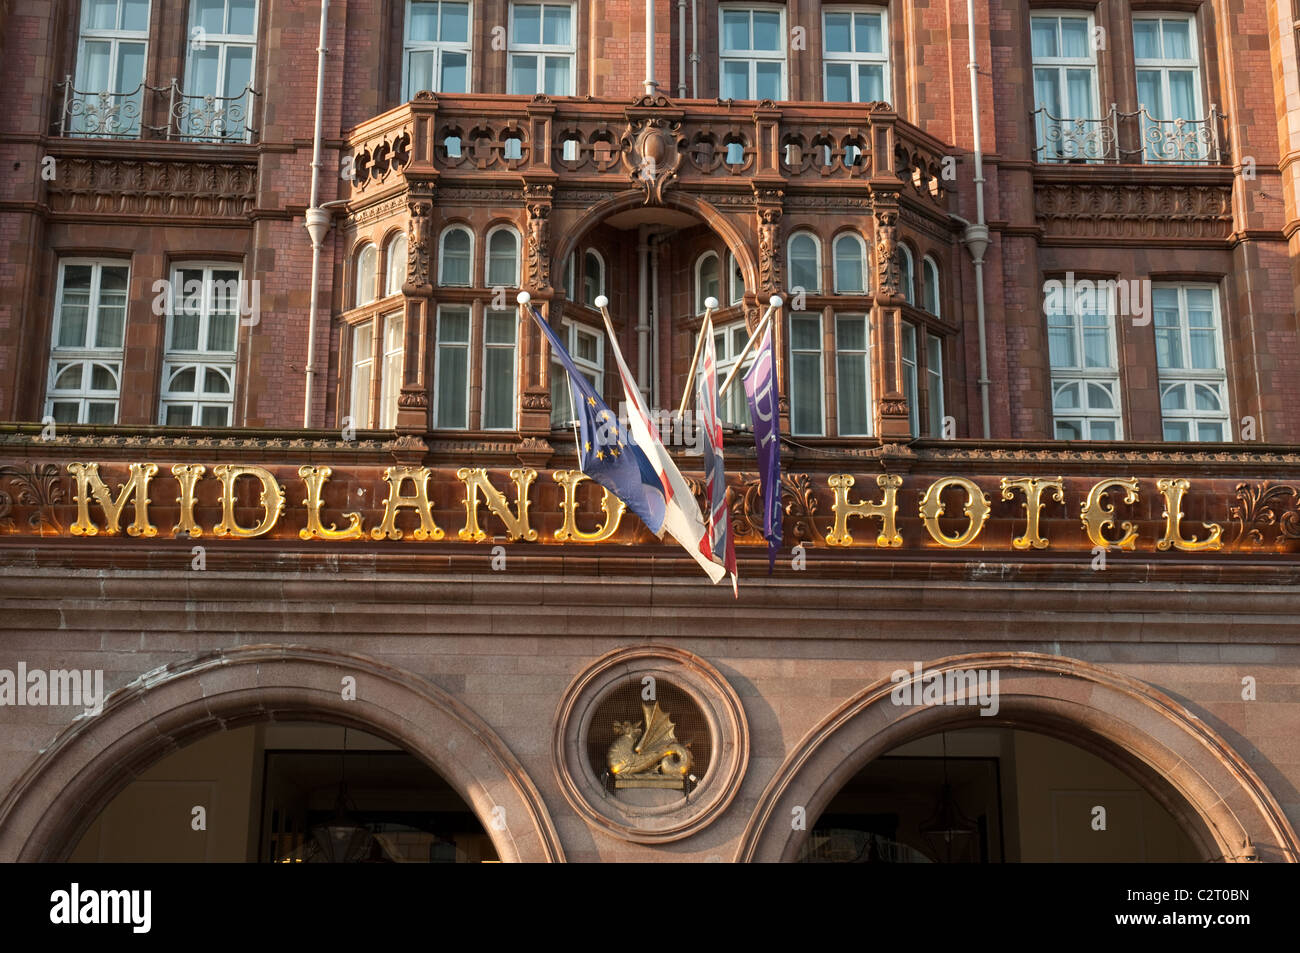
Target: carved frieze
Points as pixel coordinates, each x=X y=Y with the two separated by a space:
x=1144 y=211
x=652 y=152
x=172 y=188
x=888 y=274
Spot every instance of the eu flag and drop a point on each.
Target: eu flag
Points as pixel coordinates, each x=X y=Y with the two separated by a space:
x=605 y=453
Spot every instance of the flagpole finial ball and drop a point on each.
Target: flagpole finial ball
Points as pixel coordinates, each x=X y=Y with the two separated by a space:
x=711 y=304
x=775 y=301
x=602 y=301
x=524 y=297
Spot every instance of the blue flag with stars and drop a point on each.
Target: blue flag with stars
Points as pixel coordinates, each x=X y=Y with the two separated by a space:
x=605 y=453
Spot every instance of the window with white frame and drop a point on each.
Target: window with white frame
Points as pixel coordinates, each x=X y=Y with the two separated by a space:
x=1168 y=71
x=367 y=275
x=1085 y=372
x=910 y=378
x=568 y=278
x=728 y=342
x=934 y=382
x=436 y=50
x=593 y=277
x=395 y=265
x=587 y=348
x=220 y=59
x=198 y=376
x=707 y=283
x=853 y=374
x=806 y=397
x=736 y=278
x=855 y=61
x=363 y=372
x=111 y=54
x=751 y=52
x=503 y=258
x=907 y=273
x=1065 y=85
x=391 y=375
x=500 y=334
x=85 y=377
x=542 y=49
x=1189 y=354
x=455 y=257
x=850 y=256
x=930 y=285
x=805 y=253
x=451 y=356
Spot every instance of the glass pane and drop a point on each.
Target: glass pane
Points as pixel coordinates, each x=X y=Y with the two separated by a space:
x=837 y=38
x=183 y=381
x=1200 y=307
x=101 y=413
x=1078 y=84
x=75 y=310
x=112 y=308
x=1206 y=398
x=500 y=327
x=1099 y=398
x=527 y=23
x=803 y=263
x=768 y=84
x=130 y=67
x=585 y=347
x=1178 y=45
x=452 y=145
x=1177 y=430
x=396 y=265
x=243 y=17
x=96 y=57
x=1043 y=37
x=557 y=76
x=455 y=22
x=453 y=379
x=1074 y=38
x=1203 y=350
x=499 y=388
x=367 y=264
x=556 y=30
x=930 y=287
x=866 y=33
x=419 y=72
x=239 y=70
x=1169 y=348
x=767 y=31
x=1165 y=301
x=179 y=415
x=806 y=392
x=1047 y=90
x=1174 y=398
x=66 y=412
x=214 y=417
x=69 y=378
x=805 y=334
x=424 y=23
x=735 y=153
x=502 y=259
x=523 y=75
x=215 y=382
x=735 y=80
x=1146 y=40
x=102 y=378
x=1102 y=430
x=1150 y=94
x=871 y=84
x=848 y=266
x=851 y=375
x=210 y=15
x=453 y=326
x=1096 y=347
x=455 y=73
x=561 y=399
x=1067 y=398
x=850 y=334
x=839 y=83
x=101 y=15
x=1182 y=95
x=203 y=71
x=735 y=30
x=1212 y=431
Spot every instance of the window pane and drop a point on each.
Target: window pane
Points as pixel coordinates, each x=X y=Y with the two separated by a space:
x=1146 y=40
x=848 y=265
x=75 y=311
x=768 y=84
x=866 y=33
x=69 y=378
x=1182 y=95
x=803 y=263
x=1208 y=430
x=367 y=263
x=455 y=22
x=839 y=83
x=1169 y=348
x=214 y=416
x=805 y=334
x=851 y=376
x=419 y=72
x=455 y=73
x=527 y=23
x=215 y=382
x=101 y=15
x=502 y=259
x=179 y=415
x=456 y=258
x=112 y=307
x=184 y=381
x=101 y=378
x=499 y=388
x=500 y=327
x=1074 y=38
x=557 y=76
x=96 y=60
x=1177 y=430
x=1099 y=398
x=1203 y=350
x=242 y=17
x=453 y=326
x=424 y=23
x=806 y=392
x=396 y=266
x=1067 y=397
x=1174 y=398
x=453 y=378
x=1206 y=398
x=837 y=39
x=101 y=413
x=66 y=412
x=523 y=75
x=767 y=31
x=1102 y=430
x=1043 y=37
x=735 y=30
x=1178 y=44
x=556 y=27
x=871 y=84
x=735 y=80
x=130 y=66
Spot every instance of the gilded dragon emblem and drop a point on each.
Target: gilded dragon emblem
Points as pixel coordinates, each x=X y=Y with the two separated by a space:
x=652 y=758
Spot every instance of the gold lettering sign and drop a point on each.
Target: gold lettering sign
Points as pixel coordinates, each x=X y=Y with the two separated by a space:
x=1096 y=515
x=570 y=480
x=316 y=478
x=976 y=509
x=1173 y=491
x=187 y=476
x=272 y=500
x=395 y=477
x=1033 y=489
x=89 y=483
x=476 y=481
x=886 y=510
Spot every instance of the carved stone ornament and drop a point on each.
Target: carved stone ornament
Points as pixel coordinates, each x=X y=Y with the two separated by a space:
x=647 y=754
x=417 y=245
x=653 y=149
x=887 y=269
x=771 y=267
x=537 y=260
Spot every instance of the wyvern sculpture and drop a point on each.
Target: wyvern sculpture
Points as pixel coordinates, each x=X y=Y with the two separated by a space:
x=650 y=759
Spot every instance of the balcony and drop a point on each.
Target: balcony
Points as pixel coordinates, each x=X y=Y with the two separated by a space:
x=1150 y=141
x=157 y=113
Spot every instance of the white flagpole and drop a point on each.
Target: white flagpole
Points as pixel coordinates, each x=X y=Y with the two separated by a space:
x=772 y=305
x=709 y=304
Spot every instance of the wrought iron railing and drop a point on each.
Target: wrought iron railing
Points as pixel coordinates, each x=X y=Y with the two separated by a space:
x=1157 y=141
x=87 y=114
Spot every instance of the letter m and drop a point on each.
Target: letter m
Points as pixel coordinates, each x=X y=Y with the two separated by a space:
x=119 y=901
x=963 y=684
x=89 y=485
x=65 y=687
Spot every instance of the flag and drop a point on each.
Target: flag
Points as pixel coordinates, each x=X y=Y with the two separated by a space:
x=760 y=391
x=682 y=518
x=720 y=539
x=604 y=454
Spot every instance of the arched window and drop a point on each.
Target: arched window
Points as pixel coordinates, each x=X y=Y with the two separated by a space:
x=908 y=273
x=503 y=258
x=850 y=264
x=930 y=285
x=737 y=279
x=395 y=265
x=805 y=262
x=367 y=273
x=455 y=257
x=593 y=277
x=707 y=283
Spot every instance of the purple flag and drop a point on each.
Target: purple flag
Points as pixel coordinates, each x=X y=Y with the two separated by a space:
x=760 y=391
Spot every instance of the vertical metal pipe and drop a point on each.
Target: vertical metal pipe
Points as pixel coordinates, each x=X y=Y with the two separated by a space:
x=643 y=313
x=977 y=236
x=695 y=51
x=681 y=49
x=317 y=219
x=650 y=47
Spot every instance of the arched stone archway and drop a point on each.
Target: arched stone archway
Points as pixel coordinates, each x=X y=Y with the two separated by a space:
x=1186 y=765
x=70 y=782
x=674 y=199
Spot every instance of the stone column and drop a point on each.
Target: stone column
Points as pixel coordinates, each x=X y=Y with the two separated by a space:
x=891 y=411
x=417 y=290
x=769 y=200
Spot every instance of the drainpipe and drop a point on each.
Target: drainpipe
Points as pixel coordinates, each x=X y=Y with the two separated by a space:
x=650 y=83
x=643 y=312
x=695 y=51
x=654 y=314
x=317 y=219
x=976 y=236
x=681 y=49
